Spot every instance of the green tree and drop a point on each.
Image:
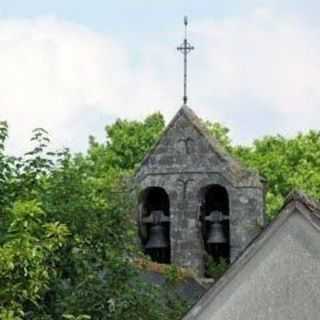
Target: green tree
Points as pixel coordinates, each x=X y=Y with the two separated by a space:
x=98 y=277
x=67 y=237
x=81 y=267
x=27 y=260
x=5 y=169
x=126 y=143
x=286 y=163
x=220 y=132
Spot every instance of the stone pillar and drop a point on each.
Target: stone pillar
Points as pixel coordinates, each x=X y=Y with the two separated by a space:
x=186 y=244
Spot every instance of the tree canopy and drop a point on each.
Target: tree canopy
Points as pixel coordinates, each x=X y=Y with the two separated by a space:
x=67 y=235
x=67 y=240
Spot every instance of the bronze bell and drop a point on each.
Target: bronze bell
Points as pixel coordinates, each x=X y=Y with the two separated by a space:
x=158 y=238
x=216 y=234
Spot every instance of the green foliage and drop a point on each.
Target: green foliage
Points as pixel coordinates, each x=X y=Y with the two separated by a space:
x=67 y=232
x=72 y=317
x=5 y=170
x=220 y=132
x=27 y=261
x=82 y=266
x=216 y=269
x=127 y=143
x=173 y=274
x=286 y=163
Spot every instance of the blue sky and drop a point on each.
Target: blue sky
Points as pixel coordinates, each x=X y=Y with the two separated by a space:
x=74 y=66
x=148 y=16
x=97 y=14
x=122 y=14
x=122 y=18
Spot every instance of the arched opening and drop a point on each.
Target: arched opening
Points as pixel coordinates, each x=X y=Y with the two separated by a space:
x=215 y=222
x=154 y=223
x=155 y=198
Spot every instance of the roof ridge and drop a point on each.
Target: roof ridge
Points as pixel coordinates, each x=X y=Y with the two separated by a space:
x=300 y=196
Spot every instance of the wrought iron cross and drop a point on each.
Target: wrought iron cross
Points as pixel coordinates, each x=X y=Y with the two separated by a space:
x=185 y=48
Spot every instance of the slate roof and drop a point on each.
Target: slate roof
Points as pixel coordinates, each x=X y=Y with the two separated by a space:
x=243 y=176
x=309 y=209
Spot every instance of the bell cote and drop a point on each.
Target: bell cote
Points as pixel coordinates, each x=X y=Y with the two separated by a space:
x=195 y=200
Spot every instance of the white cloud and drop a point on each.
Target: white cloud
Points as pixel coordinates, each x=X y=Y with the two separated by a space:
x=54 y=73
x=265 y=67
x=259 y=74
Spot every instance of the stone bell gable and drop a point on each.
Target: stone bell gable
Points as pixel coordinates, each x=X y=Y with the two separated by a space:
x=188 y=175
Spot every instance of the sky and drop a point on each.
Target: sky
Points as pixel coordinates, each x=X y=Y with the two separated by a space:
x=72 y=67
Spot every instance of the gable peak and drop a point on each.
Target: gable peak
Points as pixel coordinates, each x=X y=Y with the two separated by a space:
x=300 y=197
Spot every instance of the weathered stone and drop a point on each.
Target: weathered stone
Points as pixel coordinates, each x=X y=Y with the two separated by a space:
x=184 y=161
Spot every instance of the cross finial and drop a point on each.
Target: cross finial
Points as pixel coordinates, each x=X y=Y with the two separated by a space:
x=185 y=48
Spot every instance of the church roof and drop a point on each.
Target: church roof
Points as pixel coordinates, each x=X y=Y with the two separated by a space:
x=242 y=176
x=278 y=276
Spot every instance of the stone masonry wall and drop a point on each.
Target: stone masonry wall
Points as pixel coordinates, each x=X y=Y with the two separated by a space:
x=183 y=163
